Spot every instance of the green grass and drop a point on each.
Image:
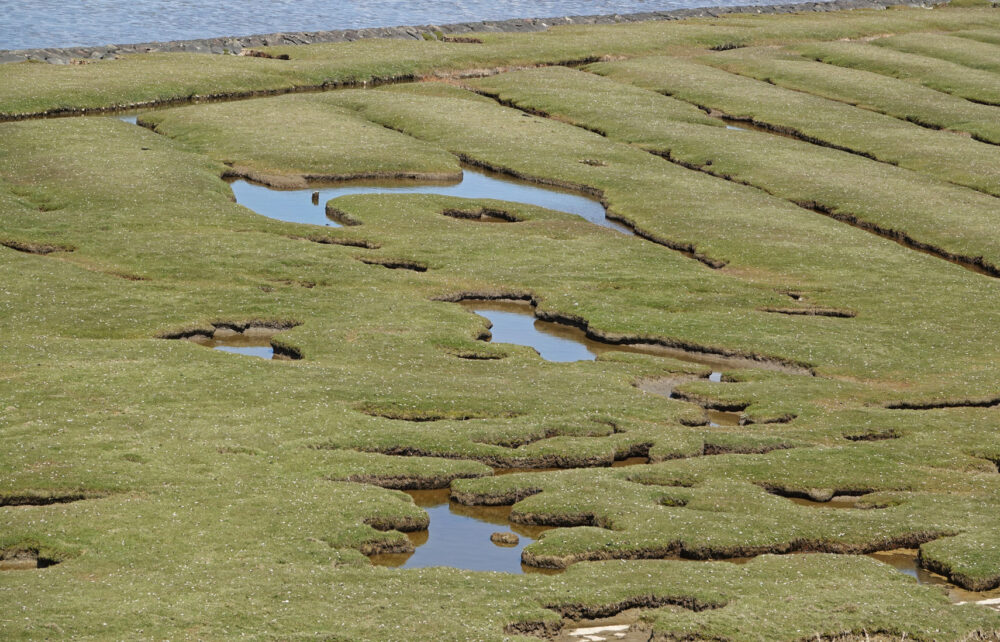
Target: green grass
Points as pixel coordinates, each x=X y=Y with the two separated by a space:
x=978 y=55
x=152 y=78
x=189 y=493
x=936 y=73
x=329 y=143
x=982 y=35
x=940 y=154
x=877 y=194
x=898 y=98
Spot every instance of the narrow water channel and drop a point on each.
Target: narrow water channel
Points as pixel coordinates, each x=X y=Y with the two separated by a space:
x=515 y=322
x=905 y=561
x=300 y=205
x=459 y=537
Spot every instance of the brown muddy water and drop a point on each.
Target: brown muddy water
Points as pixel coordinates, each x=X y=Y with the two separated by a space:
x=300 y=205
x=459 y=537
x=722 y=418
x=905 y=561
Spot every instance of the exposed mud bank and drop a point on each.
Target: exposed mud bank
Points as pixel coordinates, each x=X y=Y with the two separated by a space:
x=484 y=214
x=401 y=524
x=961 y=579
x=500 y=463
x=545 y=630
x=813 y=312
x=728 y=449
x=822 y=495
x=421 y=416
x=235 y=327
x=680 y=550
x=305 y=181
x=504 y=498
x=561 y=520
x=221 y=332
x=409 y=482
x=394 y=264
x=711 y=404
x=988 y=402
x=874 y=435
x=733 y=358
x=25 y=558
x=383 y=547
x=579 y=611
x=29 y=247
x=334 y=240
x=474 y=355
x=786 y=418
x=44 y=498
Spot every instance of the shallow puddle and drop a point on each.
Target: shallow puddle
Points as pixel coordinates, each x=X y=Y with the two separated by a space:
x=459 y=537
x=129 y=119
x=301 y=206
x=248 y=346
x=254 y=342
x=515 y=322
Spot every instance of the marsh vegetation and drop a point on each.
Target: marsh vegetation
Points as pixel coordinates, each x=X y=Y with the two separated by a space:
x=781 y=384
